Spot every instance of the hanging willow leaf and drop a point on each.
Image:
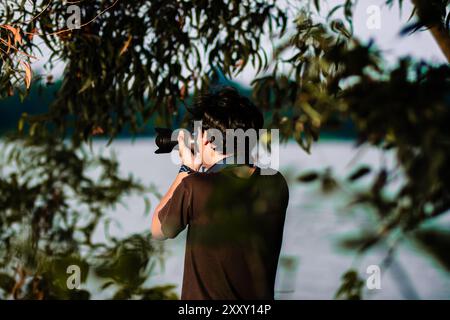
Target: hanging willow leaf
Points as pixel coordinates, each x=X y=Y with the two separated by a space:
x=125 y=45
x=359 y=173
x=28 y=73
x=86 y=85
x=338 y=26
x=16 y=34
x=308 y=177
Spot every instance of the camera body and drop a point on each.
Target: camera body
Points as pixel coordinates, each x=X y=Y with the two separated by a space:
x=165 y=143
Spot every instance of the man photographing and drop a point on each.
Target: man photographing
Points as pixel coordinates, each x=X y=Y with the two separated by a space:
x=234 y=214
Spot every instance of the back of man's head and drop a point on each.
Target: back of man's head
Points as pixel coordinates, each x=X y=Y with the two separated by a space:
x=226 y=109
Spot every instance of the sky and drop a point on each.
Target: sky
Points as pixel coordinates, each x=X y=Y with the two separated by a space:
x=419 y=45
x=387 y=38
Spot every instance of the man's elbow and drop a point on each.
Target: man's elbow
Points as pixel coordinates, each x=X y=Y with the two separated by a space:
x=157 y=234
x=155 y=229
x=159 y=237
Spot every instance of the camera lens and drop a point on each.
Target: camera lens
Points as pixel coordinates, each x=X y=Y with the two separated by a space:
x=164 y=141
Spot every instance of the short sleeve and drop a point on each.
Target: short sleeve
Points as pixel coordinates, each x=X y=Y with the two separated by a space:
x=174 y=216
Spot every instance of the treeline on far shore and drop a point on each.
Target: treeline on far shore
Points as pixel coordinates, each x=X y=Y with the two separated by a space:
x=41 y=96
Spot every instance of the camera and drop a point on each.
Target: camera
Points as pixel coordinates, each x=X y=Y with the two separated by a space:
x=165 y=143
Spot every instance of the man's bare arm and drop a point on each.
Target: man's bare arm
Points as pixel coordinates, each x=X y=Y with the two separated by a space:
x=156 y=224
x=188 y=159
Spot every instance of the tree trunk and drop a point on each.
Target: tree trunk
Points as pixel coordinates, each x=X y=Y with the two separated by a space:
x=439 y=32
x=442 y=38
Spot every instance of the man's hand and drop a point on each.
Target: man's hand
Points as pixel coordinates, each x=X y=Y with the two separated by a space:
x=193 y=161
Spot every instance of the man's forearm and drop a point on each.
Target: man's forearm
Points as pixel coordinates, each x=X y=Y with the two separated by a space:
x=156 y=224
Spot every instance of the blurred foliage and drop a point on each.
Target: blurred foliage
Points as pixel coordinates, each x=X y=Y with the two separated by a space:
x=436 y=242
x=130 y=61
x=53 y=198
x=351 y=288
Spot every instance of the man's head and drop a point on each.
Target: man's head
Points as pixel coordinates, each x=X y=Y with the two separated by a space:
x=219 y=112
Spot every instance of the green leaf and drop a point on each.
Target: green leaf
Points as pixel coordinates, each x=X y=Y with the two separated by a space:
x=308 y=177
x=6 y=282
x=436 y=242
x=359 y=173
x=351 y=287
x=87 y=84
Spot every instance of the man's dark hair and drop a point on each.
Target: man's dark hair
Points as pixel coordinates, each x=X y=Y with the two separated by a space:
x=227 y=109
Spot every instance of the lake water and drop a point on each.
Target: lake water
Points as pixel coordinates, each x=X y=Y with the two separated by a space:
x=311 y=263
